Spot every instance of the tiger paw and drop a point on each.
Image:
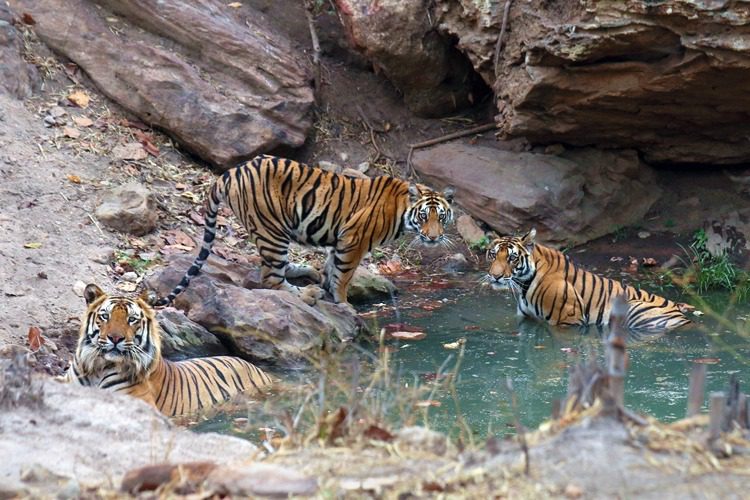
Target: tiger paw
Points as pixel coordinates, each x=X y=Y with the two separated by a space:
x=311 y=294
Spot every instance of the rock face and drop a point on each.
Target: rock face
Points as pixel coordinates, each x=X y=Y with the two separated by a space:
x=469 y=230
x=570 y=199
x=665 y=78
x=261 y=325
x=224 y=89
x=182 y=338
x=129 y=209
x=16 y=77
x=74 y=421
x=400 y=40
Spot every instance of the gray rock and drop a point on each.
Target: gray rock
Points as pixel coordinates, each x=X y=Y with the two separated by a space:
x=456 y=263
x=729 y=234
x=182 y=338
x=16 y=76
x=129 y=209
x=367 y=286
x=259 y=93
x=570 y=199
x=470 y=231
x=262 y=325
x=422 y=439
x=74 y=422
x=260 y=479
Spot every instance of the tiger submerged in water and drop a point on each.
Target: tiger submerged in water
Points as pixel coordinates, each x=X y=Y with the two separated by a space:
x=119 y=349
x=546 y=285
x=280 y=201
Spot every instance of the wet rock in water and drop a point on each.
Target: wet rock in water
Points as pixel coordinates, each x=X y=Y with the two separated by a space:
x=469 y=230
x=73 y=423
x=182 y=338
x=570 y=199
x=399 y=39
x=420 y=439
x=17 y=77
x=367 y=286
x=261 y=480
x=456 y=263
x=151 y=57
x=729 y=234
x=129 y=209
x=262 y=325
x=665 y=78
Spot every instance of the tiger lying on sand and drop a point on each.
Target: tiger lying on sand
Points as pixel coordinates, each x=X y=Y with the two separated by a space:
x=547 y=286
x=280 y=201
x=119 y=349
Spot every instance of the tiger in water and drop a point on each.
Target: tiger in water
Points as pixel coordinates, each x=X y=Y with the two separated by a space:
x=280 y=201
x=119 y=349
x=547 y=286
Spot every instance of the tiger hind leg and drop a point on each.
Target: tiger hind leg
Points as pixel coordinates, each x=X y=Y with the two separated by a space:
x=302 y=271
x=340 y=268
x=646 y=316
x=273 y=274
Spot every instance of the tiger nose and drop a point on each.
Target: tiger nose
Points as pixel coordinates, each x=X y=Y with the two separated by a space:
x=115 y=338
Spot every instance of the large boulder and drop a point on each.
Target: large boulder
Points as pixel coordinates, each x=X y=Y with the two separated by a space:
x=16 y=76
x=103 y=430
x=225 y=86
x=573 y=198
x=399 y=38
x=182 y=338
x=269 y=326
x=667 y=78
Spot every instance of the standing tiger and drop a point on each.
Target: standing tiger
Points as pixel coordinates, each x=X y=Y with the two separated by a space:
x=546 y=285
x=280 y=201
x=119 y=349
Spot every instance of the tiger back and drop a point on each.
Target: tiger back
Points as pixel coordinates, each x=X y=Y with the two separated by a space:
x=119 y=349
x=547 y=286
x=280 y=201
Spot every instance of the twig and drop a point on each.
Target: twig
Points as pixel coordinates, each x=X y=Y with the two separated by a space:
x=96 y=223
x=315 y=45
x=372 y=133
x=520 y=430
x=499 y=45
x=445 y=138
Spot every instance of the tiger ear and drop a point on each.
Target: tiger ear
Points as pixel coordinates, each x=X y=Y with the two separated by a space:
x=528 y=239
x=448 y=193
x=149 y=297
x=92 y=292
x=414 y=193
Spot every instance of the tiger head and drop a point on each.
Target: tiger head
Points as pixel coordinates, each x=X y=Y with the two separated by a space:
x=428 y=213
x=118 y=331
x=511 y=261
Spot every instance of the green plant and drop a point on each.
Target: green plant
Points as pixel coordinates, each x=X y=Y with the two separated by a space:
x=709 y=272
x=481 y=245
x=137 y=262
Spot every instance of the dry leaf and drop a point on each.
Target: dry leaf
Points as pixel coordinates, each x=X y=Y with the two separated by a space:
x=127 y=286
x=378 y=433
x=36 y=341
x=130 y=151
x=71 y=132
x=427 y=403
x=456 y=344
x=234 y=5
x=83 y=121
x=649 y=262
x=74 y=179
x=33 y=244
x=79 y=98
x=407 y=335
x=27 y=18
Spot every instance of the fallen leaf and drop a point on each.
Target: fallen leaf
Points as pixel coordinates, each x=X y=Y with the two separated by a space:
x=71 y=132
x=83 y=121
x=147 y=143
x=615 y=259
x=127 y=286
x=79 y=98
x=378 y=434
x=36 y=341
x=401 y=327
x=456 y=344
x=427 y=403
x=697 y=313
x=130 y=151
x=471 y=328
x=196 y=218
x=74 y=178
x=27 y=18
x=706 y=361
x=180 y=186
x=407 y=335
x=234 y=5
x=649 y=262
x=390 y=267
x=33 y=245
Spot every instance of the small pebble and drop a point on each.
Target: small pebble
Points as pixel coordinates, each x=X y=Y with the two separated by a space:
x=130 y=276
x=643 y=234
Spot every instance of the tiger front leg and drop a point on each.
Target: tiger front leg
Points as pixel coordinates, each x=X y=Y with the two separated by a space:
x=340 y=268
x=563 y=305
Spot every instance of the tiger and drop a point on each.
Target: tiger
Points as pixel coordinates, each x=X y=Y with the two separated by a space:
x=280 y=201
x=119 y=349
x=547 y=286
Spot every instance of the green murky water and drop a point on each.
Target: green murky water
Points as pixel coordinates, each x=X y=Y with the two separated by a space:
x=535 y=357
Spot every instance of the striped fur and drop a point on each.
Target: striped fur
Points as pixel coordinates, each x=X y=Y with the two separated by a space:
x=119 y=349
x=546 y=285
x=281 y=201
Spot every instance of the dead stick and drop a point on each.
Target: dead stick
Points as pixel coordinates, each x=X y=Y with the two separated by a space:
x=717 y=401
x=445 y=138
x=499 y=45
x=315 y=44
x=372 y=133
x=696 y=388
